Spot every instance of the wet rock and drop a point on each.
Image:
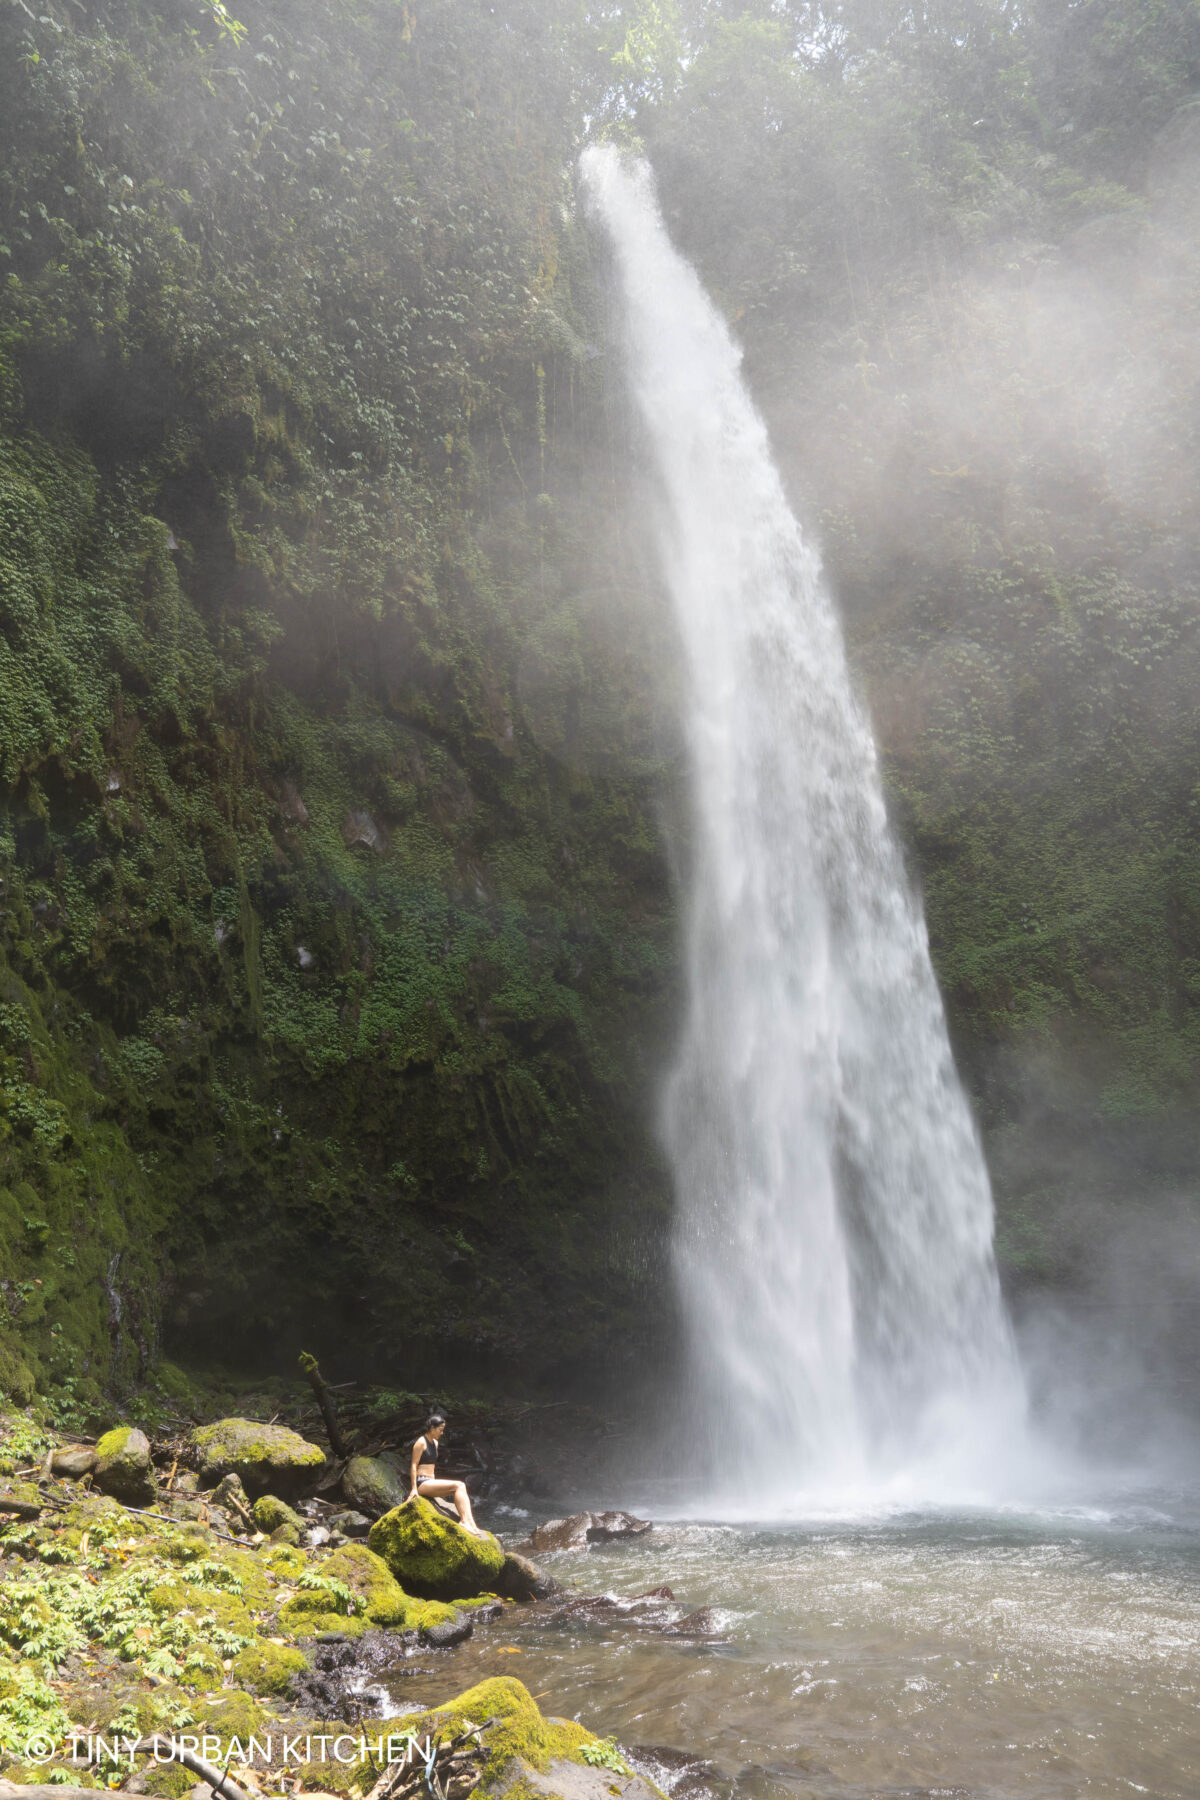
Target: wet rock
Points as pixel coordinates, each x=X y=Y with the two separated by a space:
x=561 y=1534
x=374 y=1484
x=338 y=1685
x=74 y=1462
x=270 y=1459
x=124 y=1470
x=585 y=1528
x=450 y=1631
x=607 y=1525
x=521 y=1579
x=430 y=1555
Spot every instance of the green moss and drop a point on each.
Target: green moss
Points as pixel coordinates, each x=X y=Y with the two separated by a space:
x=270 y=1513
x=303 y=1622
x=283 y=1560
x=17 y=1381
x=167 y=1781
x=379 y=1594
x=171 y=1380
x=268 y=1458
x=521 y=1730
x=433 y=1557
x=267 y=1668
x=237 y=1715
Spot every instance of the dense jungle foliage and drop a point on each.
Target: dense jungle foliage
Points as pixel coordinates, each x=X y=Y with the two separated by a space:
x=338 y=771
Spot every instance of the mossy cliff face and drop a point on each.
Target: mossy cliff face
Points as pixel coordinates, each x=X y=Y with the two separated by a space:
x=333 y=925
x=335 y=941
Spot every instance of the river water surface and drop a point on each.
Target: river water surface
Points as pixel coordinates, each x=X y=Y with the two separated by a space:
x=994 y=1654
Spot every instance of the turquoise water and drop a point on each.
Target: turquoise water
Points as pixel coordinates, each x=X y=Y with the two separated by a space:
x=986 y=1654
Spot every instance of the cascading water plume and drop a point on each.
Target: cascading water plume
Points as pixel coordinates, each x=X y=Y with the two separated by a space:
x=834 y=1235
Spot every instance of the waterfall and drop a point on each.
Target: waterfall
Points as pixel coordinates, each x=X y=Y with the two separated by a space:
x=834 y=1217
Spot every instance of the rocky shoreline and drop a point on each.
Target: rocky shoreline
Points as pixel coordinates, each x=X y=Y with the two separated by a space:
x=238 y=1581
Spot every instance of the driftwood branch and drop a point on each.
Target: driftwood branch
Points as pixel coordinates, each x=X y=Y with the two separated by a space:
x=312 y=1374
x=445 y=1763
x=168 y=1749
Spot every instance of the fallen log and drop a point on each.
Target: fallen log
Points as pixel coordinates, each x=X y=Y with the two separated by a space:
x=310 y=1370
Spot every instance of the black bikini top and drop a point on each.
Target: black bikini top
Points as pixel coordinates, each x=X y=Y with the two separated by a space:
x=429 y=1453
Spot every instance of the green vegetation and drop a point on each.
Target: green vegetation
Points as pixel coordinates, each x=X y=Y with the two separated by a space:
x=132 y=1623
x=430 y=1554
x=315 y=965
x=336 y=939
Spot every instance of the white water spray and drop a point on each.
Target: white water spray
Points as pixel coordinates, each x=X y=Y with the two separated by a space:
x=834 y=1238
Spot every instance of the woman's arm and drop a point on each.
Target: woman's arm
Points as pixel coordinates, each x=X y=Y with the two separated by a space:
x=418 y=1451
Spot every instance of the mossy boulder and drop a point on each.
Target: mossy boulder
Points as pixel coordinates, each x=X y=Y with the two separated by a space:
x=432 y=1556
x=378 y=1596
x=520 y=1735
x=269 y=1458
x=375 y=1484
x=266 y=1668
x=270 y=1512
x=124 y=1470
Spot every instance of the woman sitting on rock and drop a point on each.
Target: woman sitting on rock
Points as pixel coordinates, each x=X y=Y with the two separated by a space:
x=424 y=1475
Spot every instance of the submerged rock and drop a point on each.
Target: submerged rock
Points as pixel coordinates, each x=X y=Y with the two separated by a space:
x=679 y=1773
x=374 y=1484
x=124 y=1470
x=433 y=1556
x=700 y=1625
x=269 y=1458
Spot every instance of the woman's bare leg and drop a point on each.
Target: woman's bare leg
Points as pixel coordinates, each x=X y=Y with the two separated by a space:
x=456 y=1491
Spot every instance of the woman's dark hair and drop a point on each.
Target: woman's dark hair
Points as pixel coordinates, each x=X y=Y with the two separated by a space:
x=435 y=1418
